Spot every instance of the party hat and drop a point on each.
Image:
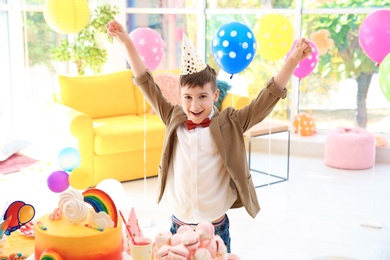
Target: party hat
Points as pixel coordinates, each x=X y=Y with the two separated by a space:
x=190 y=60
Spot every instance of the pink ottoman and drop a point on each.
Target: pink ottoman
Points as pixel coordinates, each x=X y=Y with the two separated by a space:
x=350 y=148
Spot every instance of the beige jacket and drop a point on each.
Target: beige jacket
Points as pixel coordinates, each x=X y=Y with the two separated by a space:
x=227 y=128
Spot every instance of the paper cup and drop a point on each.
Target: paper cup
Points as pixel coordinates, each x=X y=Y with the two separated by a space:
x=2 y=245
x=142 y=250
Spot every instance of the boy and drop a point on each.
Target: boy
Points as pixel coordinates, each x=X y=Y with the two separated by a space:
x=203 y=170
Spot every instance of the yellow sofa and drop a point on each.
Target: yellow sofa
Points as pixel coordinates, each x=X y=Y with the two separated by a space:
x=117 y=135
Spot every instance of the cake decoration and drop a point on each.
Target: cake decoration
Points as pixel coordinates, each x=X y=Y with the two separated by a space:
x=50 y=254
x=17 y=214
x=101 y=201
x=41 y=226
x=75 y=210
x=100 y=219
x=56 y=215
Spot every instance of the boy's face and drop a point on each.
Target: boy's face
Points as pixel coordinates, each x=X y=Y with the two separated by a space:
x=198 y=102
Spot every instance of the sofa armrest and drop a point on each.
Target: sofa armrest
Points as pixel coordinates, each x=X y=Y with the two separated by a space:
x=67 y=121
x=235 y=101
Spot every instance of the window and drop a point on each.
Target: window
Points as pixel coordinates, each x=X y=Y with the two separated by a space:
x=342 y=90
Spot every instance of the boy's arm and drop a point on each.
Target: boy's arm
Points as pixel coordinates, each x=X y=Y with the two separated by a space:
x=116 y=30
x=301 y=50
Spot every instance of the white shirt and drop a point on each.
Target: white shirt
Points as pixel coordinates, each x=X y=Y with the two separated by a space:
x=198 y=185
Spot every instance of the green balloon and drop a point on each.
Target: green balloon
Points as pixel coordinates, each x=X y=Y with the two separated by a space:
x=384 y=76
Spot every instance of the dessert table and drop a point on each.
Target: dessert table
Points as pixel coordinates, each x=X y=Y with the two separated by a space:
x=18 y=243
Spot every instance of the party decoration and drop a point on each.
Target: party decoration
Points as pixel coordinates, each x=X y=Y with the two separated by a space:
x=133 y=224
x=69 y=158
x=80 y=178
x=191 y=62
x=374 y=35
x=66 y=17
x=384 y=76
x=275 y=35
x=149 y=45
x=381 y=141
x=114 y=189
x=233 y=47
x=321 y=40
x=306 y=66
x=50 y=254
x=18 y=214
x=58 y=181
x=101 y=201
x=304 y=124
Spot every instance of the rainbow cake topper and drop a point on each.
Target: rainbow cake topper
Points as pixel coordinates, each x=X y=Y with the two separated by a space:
x=50 y=254
x=101 y=201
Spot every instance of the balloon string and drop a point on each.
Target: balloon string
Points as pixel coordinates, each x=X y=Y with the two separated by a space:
x=231 y=76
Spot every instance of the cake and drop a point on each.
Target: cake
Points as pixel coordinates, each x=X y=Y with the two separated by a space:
x=84 y=226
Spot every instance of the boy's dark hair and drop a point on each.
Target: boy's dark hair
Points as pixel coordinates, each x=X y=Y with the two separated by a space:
x=200 y=79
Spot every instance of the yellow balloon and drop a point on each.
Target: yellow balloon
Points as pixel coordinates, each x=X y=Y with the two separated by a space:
x=26 y=213
x=80 y=178
x=274 y=35
x=66 y=16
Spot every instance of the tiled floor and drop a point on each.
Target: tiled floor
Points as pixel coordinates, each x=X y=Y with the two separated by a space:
x=317 y=214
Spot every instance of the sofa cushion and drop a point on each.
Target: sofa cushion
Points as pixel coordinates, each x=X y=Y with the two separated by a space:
x=127 y=133
x=100 y=95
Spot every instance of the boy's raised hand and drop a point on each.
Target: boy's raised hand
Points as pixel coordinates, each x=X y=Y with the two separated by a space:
x=116 y=30
x=301 y=50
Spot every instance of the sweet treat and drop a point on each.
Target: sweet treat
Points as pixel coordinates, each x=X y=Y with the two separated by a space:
x=84 y=226
x=186 y=244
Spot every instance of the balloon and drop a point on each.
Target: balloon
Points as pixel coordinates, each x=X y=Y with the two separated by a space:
x=68 y=159
x=26 y=213
x=19 y=213
x=233 y=47
x=80 y=179
x=306 y=66
x=275 y=36
x=58 y=181
x=384 y=76
x=149 y=45
x=374 y=35
x=113 y=188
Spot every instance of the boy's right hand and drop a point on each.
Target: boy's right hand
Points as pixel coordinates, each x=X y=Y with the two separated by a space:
x=116 y=30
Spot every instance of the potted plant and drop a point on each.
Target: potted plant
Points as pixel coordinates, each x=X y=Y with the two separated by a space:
x=85 y=51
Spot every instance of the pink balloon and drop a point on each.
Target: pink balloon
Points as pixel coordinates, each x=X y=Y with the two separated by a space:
x=306 y=66
x=374 y=35
x=149 y=45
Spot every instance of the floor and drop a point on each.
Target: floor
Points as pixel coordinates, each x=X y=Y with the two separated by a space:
x=319 y=213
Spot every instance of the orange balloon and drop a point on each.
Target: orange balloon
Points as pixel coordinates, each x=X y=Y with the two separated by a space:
x=26 y=213
x=304 y=124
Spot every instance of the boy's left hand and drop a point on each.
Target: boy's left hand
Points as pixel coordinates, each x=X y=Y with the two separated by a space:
x=301 y=50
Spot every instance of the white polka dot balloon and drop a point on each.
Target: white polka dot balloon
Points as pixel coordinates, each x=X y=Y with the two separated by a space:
x=233 y=47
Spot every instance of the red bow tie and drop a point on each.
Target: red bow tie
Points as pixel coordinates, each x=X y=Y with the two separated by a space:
x=192 y=125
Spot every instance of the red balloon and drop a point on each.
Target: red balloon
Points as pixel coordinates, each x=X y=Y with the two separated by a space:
x=13 y=210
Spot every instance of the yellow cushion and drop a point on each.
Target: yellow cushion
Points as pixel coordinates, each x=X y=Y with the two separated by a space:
x=126 y=133
x=100 y=95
